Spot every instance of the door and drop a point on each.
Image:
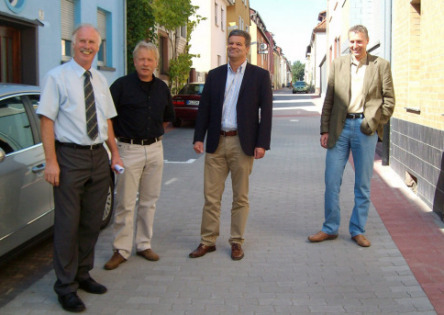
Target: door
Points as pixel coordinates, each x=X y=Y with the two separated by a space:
x=25 y=196
x=10 y=69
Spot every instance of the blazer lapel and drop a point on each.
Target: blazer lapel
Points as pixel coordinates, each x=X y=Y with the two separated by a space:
x=245 y=79
x=222 y=84
x=369 y=74
x=346 y=75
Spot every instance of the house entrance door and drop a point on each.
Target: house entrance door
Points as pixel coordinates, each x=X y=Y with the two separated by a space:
x=10 y=70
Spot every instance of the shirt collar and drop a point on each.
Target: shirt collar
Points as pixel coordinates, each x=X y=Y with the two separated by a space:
x=79 y=70
x=357 y=63
x=241 y=69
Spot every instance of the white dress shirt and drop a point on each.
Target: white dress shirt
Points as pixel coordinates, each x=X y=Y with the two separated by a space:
x=63 y=101
x=232 y=87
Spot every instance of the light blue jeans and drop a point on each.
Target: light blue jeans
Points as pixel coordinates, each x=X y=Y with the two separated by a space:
x=363 y=151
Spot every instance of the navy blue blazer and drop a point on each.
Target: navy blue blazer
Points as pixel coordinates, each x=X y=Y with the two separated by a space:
x=254 y=109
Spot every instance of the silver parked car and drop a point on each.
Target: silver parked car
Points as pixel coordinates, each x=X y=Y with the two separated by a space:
x=26 y=199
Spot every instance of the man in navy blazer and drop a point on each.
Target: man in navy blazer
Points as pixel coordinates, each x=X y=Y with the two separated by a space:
x=235 y=113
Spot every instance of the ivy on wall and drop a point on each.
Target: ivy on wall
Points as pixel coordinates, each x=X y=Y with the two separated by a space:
x=140 y=26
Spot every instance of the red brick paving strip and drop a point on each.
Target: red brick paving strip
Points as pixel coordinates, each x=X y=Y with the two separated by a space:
x=416 y=234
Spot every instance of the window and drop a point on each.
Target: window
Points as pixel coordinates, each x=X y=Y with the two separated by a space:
x=15 y=128
x=67 y=27
x=163 y=55
x=182 y=31
x=216 y=13
x=101 y=26
x=222 y=19
x=241 y=24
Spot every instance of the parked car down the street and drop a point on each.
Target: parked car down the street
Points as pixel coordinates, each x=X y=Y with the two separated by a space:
x=186 y=102
x=300 y=87
x=26 y=199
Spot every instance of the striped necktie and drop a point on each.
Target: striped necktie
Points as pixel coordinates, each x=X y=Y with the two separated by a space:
x=90 y=106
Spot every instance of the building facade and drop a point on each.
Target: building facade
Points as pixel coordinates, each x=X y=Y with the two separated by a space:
x=316 y=51
x=209 y=39
x=37 y=36
x=260 y=44
x=417 y=126
x=238 y=15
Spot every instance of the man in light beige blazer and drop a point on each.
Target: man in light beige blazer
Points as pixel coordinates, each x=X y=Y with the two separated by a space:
x=360 y=99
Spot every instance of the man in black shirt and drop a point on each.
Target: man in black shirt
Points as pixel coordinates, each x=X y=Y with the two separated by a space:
x=144 y=107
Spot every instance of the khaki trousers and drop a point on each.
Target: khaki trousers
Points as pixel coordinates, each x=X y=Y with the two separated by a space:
x=228 y=157
x=143 y=175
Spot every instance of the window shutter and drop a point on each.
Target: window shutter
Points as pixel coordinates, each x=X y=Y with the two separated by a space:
x=101 y=23
x=67 y=18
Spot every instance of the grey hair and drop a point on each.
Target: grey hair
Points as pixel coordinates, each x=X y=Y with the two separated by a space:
x=74 y=33
x=242 y=33
x=146 y=45
x=359 y=29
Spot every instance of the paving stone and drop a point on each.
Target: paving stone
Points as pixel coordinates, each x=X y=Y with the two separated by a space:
x=282 y=273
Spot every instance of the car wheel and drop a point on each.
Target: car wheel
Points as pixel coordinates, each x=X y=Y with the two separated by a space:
x=109 y=205
x=177 y=122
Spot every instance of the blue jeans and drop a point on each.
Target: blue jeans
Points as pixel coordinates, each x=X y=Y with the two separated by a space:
x=363 y=151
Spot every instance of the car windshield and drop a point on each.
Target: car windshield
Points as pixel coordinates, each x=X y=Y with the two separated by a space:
x=300 y=84
x=192 y=89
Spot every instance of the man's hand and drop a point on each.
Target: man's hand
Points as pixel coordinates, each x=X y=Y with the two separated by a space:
x=324 y=140
x=52 y=173
x=116 y=160
x=259 y=153
x=198 y=147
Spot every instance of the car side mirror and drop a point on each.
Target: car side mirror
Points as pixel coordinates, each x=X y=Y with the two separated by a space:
x=2 y=155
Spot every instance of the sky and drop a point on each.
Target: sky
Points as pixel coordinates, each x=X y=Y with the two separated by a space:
x=291 y=22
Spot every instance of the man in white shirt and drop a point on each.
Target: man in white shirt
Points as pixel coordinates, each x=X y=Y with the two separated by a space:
x=75 y=111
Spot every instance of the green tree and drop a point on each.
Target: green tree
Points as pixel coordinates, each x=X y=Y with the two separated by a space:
x=172 y=14
x=140 y=26
x=298 y=71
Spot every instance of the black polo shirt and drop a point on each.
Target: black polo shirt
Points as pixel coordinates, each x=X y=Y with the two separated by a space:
x=142 y=107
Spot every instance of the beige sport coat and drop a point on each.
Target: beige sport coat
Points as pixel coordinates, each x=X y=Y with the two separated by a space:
x=378 y=99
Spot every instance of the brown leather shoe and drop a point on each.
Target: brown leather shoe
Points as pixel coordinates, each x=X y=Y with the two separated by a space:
x=114 y=261
x=202 y=250
x=321 y=236
x=236 y=251
x=361 y=240
x=149 y=254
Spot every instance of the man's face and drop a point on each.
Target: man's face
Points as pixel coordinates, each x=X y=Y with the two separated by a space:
x=358 y=44
x=145 y=63
x=237 y=51
x=86 y=46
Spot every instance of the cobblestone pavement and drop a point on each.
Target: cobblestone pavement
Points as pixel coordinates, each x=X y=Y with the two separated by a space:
x=282 y=273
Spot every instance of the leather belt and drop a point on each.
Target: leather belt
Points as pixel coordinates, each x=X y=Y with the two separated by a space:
x=230 y=133
x=78 y=146
x=147 y=141
x=355 y=115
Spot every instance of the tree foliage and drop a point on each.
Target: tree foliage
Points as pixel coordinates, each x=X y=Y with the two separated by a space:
x=172 y=14
x=180 y=67
x=140 y=26
x=298 y=71
x=142 y=18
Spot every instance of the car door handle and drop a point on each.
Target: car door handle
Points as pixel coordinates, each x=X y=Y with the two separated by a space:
x=38 y=168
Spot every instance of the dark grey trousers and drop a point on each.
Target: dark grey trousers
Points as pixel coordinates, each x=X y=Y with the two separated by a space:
x=79 y=203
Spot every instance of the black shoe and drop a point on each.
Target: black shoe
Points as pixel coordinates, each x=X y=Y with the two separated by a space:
x=91 y=286
x=72 y=303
